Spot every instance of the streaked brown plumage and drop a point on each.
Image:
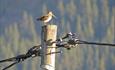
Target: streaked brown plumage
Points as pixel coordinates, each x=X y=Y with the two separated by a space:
x=46 y=18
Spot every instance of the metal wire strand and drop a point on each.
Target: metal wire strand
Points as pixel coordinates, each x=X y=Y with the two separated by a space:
x=10 y=65
x=6 y=60
x=94 y=43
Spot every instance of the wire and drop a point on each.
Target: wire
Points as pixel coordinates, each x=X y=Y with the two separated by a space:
x=34 y=51
x=10 y=65
x=10 y=59
x=37 y=50
x=94 y=43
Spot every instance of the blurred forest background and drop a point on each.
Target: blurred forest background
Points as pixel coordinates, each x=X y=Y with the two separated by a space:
x=91 y=20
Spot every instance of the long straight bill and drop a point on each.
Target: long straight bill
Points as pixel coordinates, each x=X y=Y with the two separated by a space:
x=54 y=16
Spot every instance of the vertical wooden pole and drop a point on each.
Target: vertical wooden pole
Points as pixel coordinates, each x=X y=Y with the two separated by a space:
x=49 y=33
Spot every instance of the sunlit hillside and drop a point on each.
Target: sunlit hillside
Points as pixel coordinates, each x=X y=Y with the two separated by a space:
x=91 y=20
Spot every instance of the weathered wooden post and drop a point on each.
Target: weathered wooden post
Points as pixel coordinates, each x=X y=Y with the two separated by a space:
x=48 y=35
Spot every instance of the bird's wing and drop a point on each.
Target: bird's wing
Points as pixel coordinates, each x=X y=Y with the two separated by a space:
x=42 y=18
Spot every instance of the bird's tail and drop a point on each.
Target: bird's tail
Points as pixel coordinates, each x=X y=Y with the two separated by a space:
x=38 y=19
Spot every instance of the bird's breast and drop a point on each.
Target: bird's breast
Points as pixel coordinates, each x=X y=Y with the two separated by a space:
x=48 y=19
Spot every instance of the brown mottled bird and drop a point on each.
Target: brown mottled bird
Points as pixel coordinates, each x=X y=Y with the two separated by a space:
x=46 y=18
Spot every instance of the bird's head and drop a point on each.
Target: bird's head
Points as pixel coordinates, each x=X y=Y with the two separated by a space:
x=51 y=14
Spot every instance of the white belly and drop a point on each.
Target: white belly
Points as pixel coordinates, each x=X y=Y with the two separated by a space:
x=48 y=19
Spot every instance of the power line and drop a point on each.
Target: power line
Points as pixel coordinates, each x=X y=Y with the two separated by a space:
x=68 y=41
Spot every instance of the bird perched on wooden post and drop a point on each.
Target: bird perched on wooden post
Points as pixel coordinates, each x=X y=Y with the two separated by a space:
x=46 y=18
